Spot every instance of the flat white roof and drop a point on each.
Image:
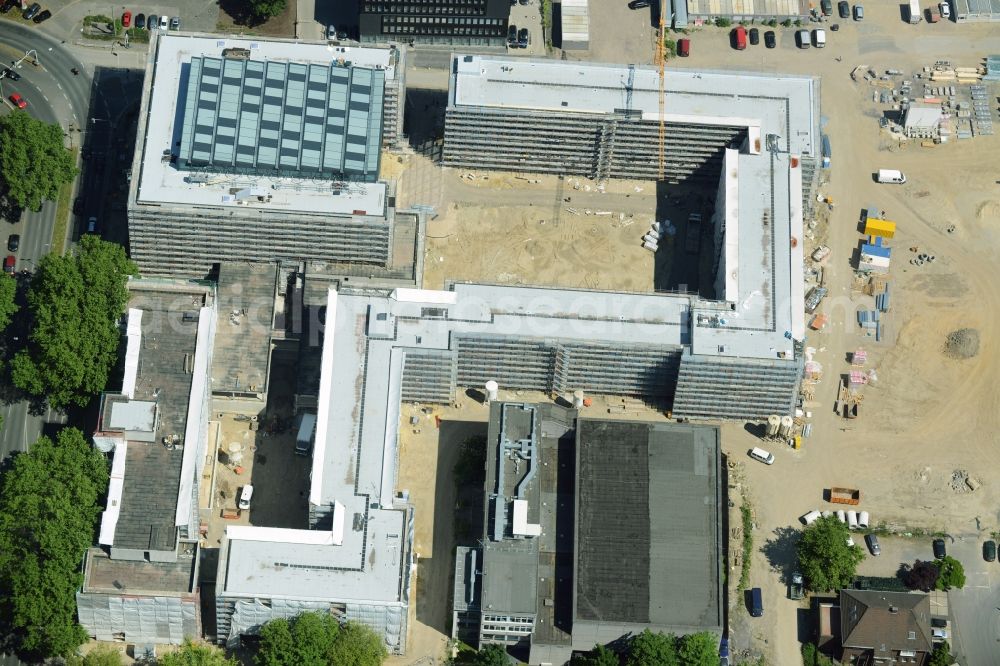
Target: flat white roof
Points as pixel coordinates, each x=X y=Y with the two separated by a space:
x=159 y=181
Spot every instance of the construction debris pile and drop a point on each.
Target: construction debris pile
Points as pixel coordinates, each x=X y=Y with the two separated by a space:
x=962 y=344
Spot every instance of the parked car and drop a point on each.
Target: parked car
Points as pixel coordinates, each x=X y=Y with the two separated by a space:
x=92 y=225
x=945 y=10
x=31 y=11
x=9 y=264
x=639 y=4
x=739 y=36
x=939 y=549
x=44 y=16
x=859 y=13
x=164 y=22
x=802 y=37
x=873 y=545
x=126 y=19
x=769 y=40
x=140 y=21
x=754 y=37
x=175 y=23
x=684 y=47
x=13 y=242
x=9 y=5
x=512 y=36
x=826 y=6
x=153 y=22
x=939 y=622
x=819 y=38
x=331 y=32
x=989 y=548
x=18 y=101
x=245 y=496
x=844 y=8
x=761 y=455
x=756 y=602
x=523 y=38
x=939 y=634
x=9 y=73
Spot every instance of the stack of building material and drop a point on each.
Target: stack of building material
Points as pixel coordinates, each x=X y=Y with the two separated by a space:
x=875 y=256
x=859 y=357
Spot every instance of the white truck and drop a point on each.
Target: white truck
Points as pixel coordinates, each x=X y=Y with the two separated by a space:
x=914 y=11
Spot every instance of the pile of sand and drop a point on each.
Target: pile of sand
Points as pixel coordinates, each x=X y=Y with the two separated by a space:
x=962 y=344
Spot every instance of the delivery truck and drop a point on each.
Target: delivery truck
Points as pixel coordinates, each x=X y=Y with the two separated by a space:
x=914 y=11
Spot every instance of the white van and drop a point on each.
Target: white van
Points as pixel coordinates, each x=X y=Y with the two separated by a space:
x=762 y=455
x=819 y=38
x=245 y=496
x=891 y=176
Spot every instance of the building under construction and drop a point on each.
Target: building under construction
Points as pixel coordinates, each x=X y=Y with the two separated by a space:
x=602 y=121
x=264 y=150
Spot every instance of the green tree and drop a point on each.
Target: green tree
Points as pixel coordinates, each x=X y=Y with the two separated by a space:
x=196 y=654
x=921 y=576
x=76 y=301
x=825 y=559
x=305 y=640
x=358 y=645
x=952 y=573
x=34 y=163
x=811 y=656
x=48 y=510
x=8 y=289
x=265 y=9
x=700 y=649
x=649 y=649
x=492 y=655
x=599 y=656
x=941 y=656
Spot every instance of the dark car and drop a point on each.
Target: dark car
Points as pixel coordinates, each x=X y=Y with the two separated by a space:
x=140 y=21
x=939 y=623
x=639 y=4
x=8 y=73
x=523 y=38
x=826 y=6
x=939 y=549
x=873 y=545
x=78 y=205
x=844 y=8
x=44 y=16
x=10 y=264
x=14 y=242
x=31 y=11
x=989 y=548
x=769 y=40
x=153 y=22
x=512 y=36
x=9 y=5
x=175 y=24
x=754 y=37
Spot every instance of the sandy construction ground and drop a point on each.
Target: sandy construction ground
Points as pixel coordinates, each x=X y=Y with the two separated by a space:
x=928 y=415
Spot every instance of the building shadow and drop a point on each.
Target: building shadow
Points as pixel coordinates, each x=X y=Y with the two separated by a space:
x=557 y=25
x=423 y=118
x=456 y=480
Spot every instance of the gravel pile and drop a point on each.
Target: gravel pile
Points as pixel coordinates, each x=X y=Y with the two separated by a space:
x=963 y=343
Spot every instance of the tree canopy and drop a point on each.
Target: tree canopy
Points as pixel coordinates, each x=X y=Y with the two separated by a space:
x=265 y=9
x=952 y=573
x=921 y=576
x=34 y=163
x=649 y=649
x=825 y=559
x=196 y=654
x=941 y=656
x=318 y=639
x=103 y=655
x=492 y=655
x=48 y=510
x=701 y=649
x=599 y=656
x=8 y=290
x=76 y=301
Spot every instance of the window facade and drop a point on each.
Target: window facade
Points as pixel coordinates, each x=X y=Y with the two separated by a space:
x=471 y=22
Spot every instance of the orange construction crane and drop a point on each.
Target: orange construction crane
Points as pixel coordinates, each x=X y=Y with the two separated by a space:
x=661 y=63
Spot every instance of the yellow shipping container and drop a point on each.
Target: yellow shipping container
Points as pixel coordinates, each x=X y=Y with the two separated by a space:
x=877 y=227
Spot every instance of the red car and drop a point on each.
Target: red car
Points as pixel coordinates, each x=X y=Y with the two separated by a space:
x=126 y=19
x=18 y=101
x=9 y=264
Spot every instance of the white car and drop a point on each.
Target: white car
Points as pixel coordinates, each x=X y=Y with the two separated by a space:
x=164 y=22
x=331 y=32
x=945 y=10
x=939 y=634
x=245 y=496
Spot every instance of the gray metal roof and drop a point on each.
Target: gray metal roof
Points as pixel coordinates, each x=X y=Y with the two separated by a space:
x=657 y=488
x=291 y=119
